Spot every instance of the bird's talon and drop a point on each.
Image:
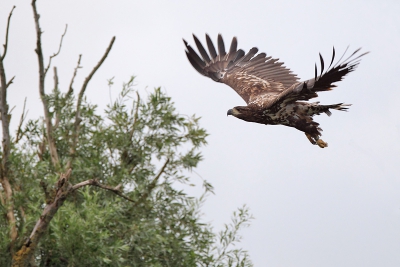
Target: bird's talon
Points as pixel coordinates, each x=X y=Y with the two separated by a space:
x=321 y=143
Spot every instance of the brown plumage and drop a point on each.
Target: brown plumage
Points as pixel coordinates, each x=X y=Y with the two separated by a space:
x=272 y=92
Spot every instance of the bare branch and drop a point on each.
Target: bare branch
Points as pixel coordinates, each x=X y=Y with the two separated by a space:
x=59 y=49
x=95 y=182
x=38 y=49
x=42 y=75
x=6 y=146
x=78 y=105
x=8 y=27
x=4 y=117
x=88 y=78
x=71 y=89
x=21 y=121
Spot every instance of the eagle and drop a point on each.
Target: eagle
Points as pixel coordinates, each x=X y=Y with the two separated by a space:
x=273 y=94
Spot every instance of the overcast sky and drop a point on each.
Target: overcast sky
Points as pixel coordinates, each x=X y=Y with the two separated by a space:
x=338 y=206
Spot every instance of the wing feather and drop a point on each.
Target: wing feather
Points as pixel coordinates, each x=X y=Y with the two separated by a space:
x=325 y=82
x=232 y=49
x=249 y=74
x=193 y=55
x=211 y=47
x=201 y=49
x=221 y=46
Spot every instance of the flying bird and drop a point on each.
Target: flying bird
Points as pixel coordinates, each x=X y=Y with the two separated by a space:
x=274 y=95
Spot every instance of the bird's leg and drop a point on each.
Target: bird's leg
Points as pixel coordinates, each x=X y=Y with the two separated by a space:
x=310 y=139
x=316 y=141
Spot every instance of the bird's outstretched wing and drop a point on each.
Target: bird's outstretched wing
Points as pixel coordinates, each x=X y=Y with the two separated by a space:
x=258 y=79
x=325 y=80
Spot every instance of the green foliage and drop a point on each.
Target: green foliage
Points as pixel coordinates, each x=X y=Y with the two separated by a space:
x=145 y=147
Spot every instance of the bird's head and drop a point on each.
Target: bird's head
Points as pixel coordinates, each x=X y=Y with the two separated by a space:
x=239 y=112
x=234 y=112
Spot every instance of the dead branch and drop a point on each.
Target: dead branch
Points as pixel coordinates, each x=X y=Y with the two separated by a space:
x=59 y=49
x=3 y=103
x=38 y=49
x=95 y=182
x=21 y=121
x=5 y=123
x=4 y=108
x=71 y=89
x=88 y=78
x=7 y=29
x=79 y=101
x=42 y=75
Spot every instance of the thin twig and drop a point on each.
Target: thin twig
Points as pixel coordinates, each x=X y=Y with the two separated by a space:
x=10 y=82
x=21 y=121
x=59 y=49
x=135 y=117
x=71 y=89
x=155 y=180
x=95 y=182
x=153 y=184
x=8 y=26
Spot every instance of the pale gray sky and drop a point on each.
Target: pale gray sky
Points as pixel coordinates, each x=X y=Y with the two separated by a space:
x=338 y=206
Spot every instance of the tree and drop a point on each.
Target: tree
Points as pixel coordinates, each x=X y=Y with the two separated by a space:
x=81 y=189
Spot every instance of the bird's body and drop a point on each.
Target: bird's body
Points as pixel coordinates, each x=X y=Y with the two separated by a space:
x=273 y=94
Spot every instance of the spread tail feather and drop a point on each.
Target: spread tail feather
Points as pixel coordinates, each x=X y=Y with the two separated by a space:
x=316 y=109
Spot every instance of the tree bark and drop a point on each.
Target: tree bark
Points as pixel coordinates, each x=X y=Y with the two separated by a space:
x=24 y=255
